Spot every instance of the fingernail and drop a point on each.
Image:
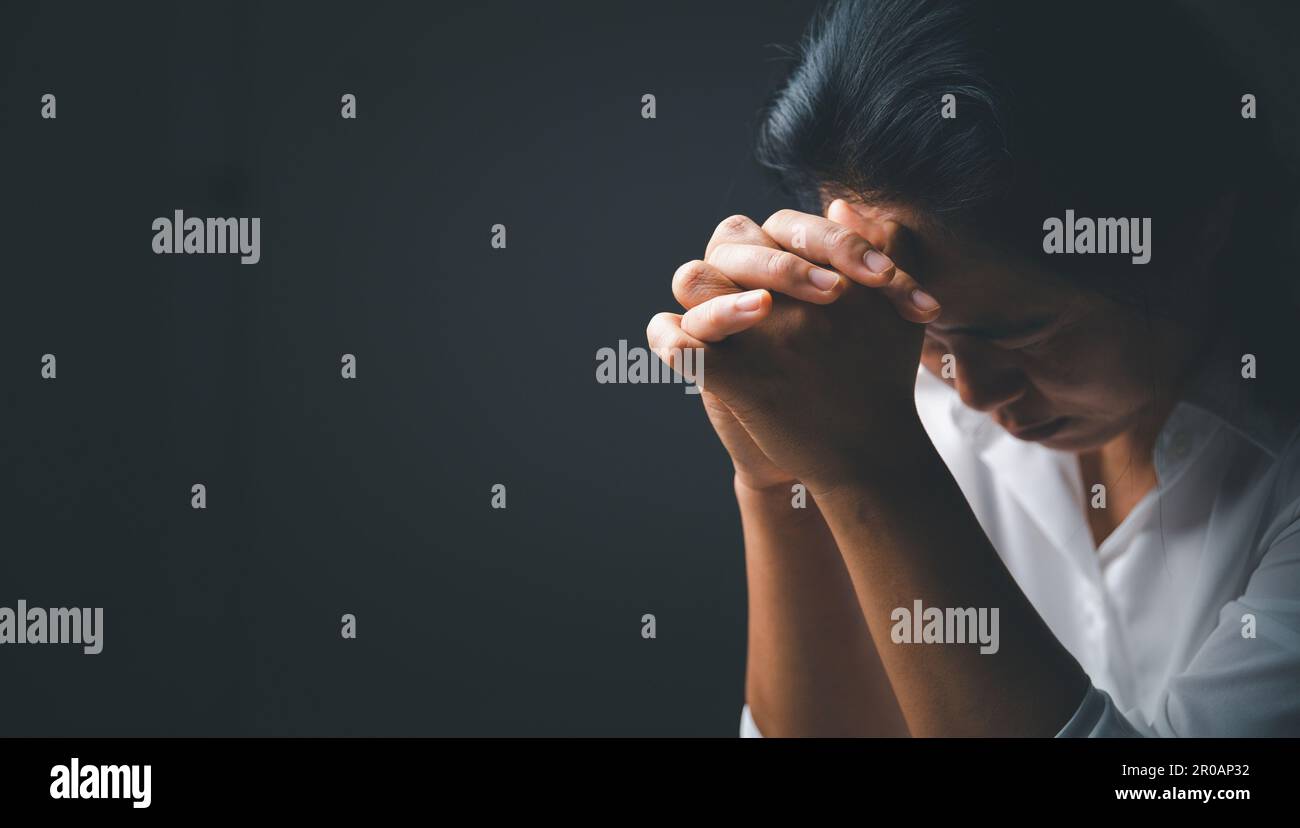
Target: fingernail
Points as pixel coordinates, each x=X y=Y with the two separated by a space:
x=923 y=300
x=876 y=261
x=750 y=301
x=823 y=279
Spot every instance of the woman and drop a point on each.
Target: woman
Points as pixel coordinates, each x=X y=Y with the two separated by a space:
x=1097 y=460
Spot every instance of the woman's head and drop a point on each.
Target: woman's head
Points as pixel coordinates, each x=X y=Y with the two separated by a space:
x=975 y=123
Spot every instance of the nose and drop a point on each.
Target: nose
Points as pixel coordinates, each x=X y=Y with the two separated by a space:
x=988 y=378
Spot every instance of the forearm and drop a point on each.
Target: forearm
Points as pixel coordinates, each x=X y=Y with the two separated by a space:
x=812 y=669
x=907 y=534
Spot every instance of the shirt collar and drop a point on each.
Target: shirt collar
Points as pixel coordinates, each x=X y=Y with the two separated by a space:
x=1048 y=483
x=1044 y=480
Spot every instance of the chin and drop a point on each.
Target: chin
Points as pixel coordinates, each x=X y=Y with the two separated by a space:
x=1067 y=443
x=1073 y=436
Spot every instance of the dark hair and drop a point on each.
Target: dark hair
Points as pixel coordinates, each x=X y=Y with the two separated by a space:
x=1114 y=109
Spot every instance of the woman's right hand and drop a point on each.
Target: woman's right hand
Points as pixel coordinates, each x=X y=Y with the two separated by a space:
x=753 y=468
x=780 y=256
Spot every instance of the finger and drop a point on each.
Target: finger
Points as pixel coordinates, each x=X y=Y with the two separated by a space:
x=696 y=282
x=911 y=301
x=828 y=242
x=723 y=316
x=670 y=343
x=892 y=238
x=738 y=230
x=753 y=267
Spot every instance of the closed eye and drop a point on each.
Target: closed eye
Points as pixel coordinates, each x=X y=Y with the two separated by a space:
x=1023 y=342
x=1009 y=337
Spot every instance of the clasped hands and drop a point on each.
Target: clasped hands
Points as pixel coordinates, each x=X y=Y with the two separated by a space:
x=811 y=331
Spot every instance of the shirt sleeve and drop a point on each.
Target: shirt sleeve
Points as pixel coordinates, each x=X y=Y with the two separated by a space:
x=748 y=730
x=1098 y=718
x=1244 y=680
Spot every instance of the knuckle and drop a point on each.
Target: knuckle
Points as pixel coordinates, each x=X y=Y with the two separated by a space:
x=697 y=282
x=689 y=278
x=780 y=216
x=838 y=238
x=736 y=225
x=782 y=265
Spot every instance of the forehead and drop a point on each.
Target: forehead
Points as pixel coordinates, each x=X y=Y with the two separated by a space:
x=978 y=285
x=982 y=287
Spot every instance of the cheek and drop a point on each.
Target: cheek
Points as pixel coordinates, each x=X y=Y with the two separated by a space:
x=1086 y=373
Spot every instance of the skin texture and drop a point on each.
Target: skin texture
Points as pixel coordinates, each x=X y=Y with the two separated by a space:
x=813 y=385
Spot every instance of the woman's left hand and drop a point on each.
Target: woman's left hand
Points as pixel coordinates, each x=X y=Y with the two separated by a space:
x=827 y=390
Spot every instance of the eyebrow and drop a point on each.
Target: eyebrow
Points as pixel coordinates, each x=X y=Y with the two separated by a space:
x=1000 y=332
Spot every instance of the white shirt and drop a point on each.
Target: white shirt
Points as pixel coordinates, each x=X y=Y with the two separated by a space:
x=1187 y=617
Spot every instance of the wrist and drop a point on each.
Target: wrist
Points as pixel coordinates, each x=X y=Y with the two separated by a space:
x=775 y=499
x=776 y=505
x=762 y=486
x=890 y=454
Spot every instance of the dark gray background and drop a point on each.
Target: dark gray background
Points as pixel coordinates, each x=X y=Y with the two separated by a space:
x=476 y=366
